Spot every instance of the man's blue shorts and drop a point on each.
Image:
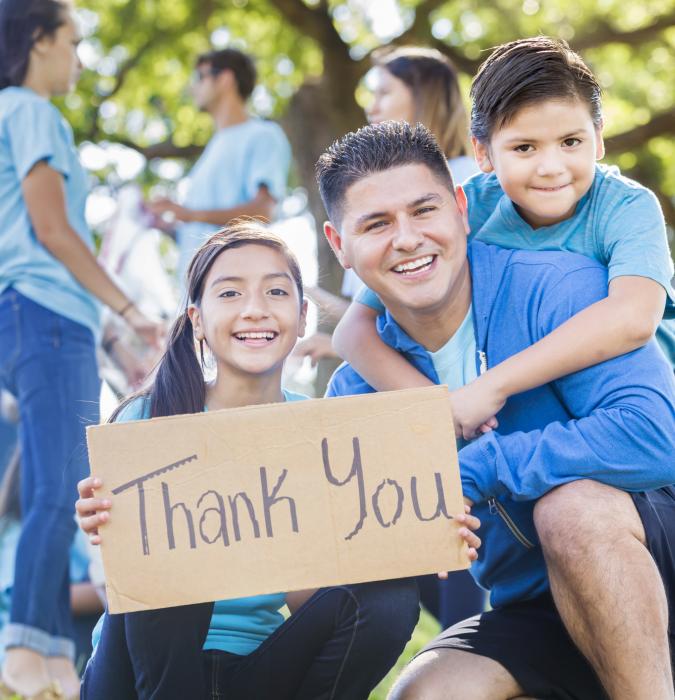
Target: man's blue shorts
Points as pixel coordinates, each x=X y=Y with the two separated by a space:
x=529 y=639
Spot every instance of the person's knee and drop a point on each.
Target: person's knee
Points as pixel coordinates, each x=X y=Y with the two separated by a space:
x=448 y=674
x=419 y=682
x=389 y=609
x=583 y=515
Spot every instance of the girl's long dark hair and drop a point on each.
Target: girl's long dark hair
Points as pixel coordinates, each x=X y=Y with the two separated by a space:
x=178 y=386
x=22 y=23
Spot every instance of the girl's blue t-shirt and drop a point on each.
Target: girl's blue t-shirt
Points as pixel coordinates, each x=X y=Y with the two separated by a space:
x=33 y=130
x=238 y=626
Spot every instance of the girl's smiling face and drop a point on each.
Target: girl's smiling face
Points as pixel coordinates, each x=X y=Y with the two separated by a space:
x=251 y=313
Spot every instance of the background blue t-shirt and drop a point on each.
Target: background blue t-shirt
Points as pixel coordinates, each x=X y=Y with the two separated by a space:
x=236 y=162
x=33 y=130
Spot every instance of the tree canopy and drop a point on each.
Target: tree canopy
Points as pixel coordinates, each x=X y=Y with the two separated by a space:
x=313 y=54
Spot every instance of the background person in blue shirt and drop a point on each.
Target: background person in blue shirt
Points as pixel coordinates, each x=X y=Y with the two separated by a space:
x=246 y=307
x=576 y=457
x=51 y=287
x=537 y=131
x=244 y=167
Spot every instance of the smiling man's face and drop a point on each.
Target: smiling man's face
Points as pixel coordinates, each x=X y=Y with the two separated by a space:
x=405 y=234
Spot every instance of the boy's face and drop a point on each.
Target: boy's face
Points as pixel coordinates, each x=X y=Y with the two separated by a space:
x=544 y=159
x=404 y=233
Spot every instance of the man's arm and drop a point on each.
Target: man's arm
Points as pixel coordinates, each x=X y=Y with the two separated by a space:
x=260 y=207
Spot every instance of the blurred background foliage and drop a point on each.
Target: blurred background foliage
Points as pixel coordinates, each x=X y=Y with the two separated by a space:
x=312 y=56
x=134 y=119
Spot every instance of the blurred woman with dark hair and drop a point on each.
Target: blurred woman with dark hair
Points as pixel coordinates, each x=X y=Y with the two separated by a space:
x=51 y=287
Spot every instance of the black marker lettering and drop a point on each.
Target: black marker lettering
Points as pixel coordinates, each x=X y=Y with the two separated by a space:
x=220 y=514
x=168 y=513
x=440 y=503
x=270 y=499
x=357 y=470
x=235 y=514
x=399 y=502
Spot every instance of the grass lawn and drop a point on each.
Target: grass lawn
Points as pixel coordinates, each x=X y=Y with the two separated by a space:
x=427 y=628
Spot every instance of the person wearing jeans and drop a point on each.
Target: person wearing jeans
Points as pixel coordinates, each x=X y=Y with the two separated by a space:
x=50 y=288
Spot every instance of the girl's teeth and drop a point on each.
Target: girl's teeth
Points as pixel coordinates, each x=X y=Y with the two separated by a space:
x=255 y=336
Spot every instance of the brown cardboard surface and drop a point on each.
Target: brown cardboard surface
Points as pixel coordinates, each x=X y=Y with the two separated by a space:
x=280 y=497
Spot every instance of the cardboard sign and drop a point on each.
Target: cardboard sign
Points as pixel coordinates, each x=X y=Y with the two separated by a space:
x=282 y=497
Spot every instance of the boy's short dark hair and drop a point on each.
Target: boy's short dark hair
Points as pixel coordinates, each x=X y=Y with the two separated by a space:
x=527 y=71
x=374 y=149
x=238 y=62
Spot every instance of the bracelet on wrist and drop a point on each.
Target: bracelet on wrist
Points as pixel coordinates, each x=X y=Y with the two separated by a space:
x=129 y=305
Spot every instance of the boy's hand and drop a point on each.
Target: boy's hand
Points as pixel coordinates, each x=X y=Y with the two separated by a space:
x=92 y=512
x=468 y=533
x=475 y=406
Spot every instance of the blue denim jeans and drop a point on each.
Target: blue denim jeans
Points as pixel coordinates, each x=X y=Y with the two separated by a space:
x=337 y=646
x=49 y=363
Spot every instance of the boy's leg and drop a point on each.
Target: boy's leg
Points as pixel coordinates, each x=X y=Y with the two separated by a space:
x=336 y=646
x=519 y=651
x=607 y=586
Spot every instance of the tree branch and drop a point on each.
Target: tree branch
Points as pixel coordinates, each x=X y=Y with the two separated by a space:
x=164 y=149
x=315 y=22
x=660 y=125
x=462 y=62
x=420 y=30
x=604 y=33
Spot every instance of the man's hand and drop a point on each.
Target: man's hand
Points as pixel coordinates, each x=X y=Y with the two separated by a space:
x=475 y=406
x=152 y=332
x=316 y=347
x=168 y=210
x=92 y=512
x=470 y=525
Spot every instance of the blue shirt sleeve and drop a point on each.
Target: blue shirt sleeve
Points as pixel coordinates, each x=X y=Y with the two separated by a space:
x=633 y=236
x=268 y=163
x=137 y=409
x=621 y=430
x=367 y=297
x=36 y=132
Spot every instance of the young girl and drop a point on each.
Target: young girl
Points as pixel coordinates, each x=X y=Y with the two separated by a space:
x=51 y=288
x=246 y=306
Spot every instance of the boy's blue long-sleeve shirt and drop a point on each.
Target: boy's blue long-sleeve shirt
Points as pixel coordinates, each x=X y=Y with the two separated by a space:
x=614 y=422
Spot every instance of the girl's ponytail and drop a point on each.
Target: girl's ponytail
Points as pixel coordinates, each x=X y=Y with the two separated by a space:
x=179 y=383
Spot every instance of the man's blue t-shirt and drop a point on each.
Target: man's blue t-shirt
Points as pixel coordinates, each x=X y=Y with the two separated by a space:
x=236 y=162
x=618 y=222
x=33 y=130
x=240 y=625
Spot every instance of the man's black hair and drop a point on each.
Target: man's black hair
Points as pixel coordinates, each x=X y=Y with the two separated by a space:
x=238 y=62
x=374 y=149
x=525 y=72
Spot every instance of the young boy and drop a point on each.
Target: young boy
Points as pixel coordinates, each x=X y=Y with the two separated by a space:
x=536 y=130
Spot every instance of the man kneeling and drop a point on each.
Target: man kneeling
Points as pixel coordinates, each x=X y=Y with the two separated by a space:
x=575 y=489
